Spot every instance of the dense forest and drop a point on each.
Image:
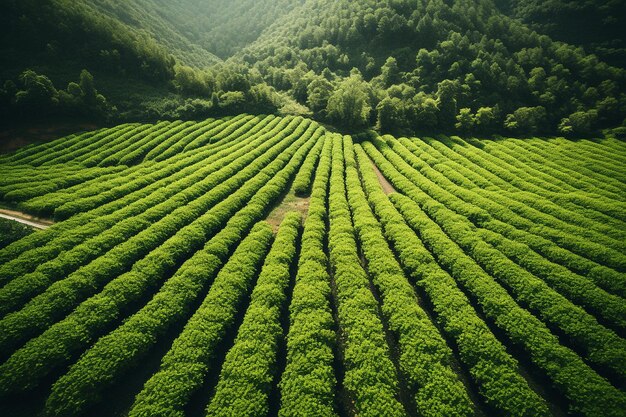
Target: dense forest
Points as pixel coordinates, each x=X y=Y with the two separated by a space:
x=463 y=66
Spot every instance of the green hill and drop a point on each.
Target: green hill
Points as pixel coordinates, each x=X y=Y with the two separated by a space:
x=458 y=66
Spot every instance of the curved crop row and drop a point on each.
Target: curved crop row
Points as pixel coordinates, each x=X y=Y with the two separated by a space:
x=307 y=385
x=493 y=369
x=249 y=369
x=161 y=128
x=579 y=289
x=424 y=359
x=588 y=392
x=210 y=125
x=177 y=176
x=601 y=346
x=118 y=351
x=42 y=310
x=72 y=207
x=137 y=154
x=131 y=204
x=96 y=157
x=25 y=286
x=80 y=386
x=26 y=155
x=26 y=367
x=605 y=277
x=370 y=376
x=471 y=176
x=600 y=249
x=525 y=180
x=304 y=179
x=21 y=193
x=227 y=127
x=567 y=174
x=96 y=142
x=94 y=194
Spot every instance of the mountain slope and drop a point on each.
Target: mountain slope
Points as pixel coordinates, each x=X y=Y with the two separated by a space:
x=445 y=56
x=594 y=24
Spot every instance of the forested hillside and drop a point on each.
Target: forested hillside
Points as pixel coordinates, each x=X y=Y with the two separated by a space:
x=435 y=65
x=596 y=25
x=463 y=66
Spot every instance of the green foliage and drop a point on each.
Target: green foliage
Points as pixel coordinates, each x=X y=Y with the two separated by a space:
x=249 y=369
x=349 y=105
x=307 y=385
x=465 y=120
x=11 y=231
x=36 y=97
x=526 y=119
x=495 y=251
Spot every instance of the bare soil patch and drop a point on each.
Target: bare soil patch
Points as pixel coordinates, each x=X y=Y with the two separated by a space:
x=290 y=203
x=387 y=187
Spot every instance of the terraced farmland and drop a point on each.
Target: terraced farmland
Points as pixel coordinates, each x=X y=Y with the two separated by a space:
x=263 y=266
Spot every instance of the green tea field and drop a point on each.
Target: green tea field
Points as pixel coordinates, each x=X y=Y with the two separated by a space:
x=265 y=266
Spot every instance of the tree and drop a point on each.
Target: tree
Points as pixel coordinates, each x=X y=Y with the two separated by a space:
x=486 y=118
x=390 y=73
x=465 y=120
x=447 y=91
x=579 y=123
x=349 y=105
x=390 y=114
x=526 y=120
x=319 y=91
x=38 y=93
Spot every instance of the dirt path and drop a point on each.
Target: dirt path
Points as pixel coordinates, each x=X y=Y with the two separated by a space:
x=289 y=203
x=387 y=187
x=25 y=219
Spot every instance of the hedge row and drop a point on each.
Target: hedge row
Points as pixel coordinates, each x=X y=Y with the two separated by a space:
x=370 y=376
x=304 y=180
x=87 y=219
x=124 y=233
x=96 y=157
x=469 y=176
x=210 y=125
x=525 y=180
x=308 y=384
x=517 y=214
x=147 y=174
x=492 y=368
x=425 y=359
x=23 y=155
x=249 y=370
x=171 y=166
x=54 y=348
x=24 y=192
x=120 y=349
x=138 y=153
x=588 y=393
x=170 y=141
x=577 y=288
x=605 y=277
x=95 y=142
x=567 y=174
x=601 y=346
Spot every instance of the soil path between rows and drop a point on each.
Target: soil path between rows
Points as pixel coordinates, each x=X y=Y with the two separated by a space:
x=387 y=187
